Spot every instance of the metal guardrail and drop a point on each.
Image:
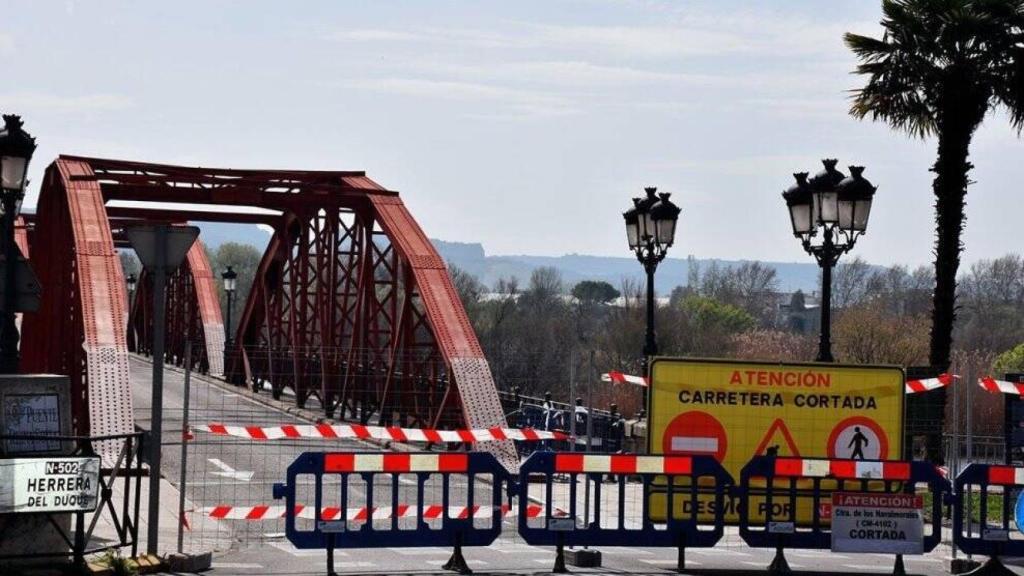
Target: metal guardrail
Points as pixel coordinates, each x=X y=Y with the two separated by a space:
x=790 y=496
x=605 y=523
x=353 y=477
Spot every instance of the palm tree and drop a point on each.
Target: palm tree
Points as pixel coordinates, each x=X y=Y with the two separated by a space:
x=939 y=68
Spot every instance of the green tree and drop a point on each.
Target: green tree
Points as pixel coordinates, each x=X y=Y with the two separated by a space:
x=938 y=69
x=1010 y=361
x=595 y=291
x=708 y=314
x=244 y=259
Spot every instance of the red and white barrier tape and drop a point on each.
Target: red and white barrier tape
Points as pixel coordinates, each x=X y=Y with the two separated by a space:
x=620 y=378
x=327 y=431
x=912 y=387
x=928 y=384
x=1001 y=386
x=431 y=512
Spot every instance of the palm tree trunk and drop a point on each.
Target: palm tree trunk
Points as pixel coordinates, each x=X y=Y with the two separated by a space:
x=950 y=188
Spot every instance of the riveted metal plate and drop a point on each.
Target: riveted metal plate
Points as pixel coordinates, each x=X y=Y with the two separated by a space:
x=481 y=405
x=110 y=397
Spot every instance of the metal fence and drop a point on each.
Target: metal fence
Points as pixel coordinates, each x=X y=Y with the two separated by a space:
x=227 y=482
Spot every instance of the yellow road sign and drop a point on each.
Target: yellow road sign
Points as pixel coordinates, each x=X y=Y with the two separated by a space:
x=735 y=410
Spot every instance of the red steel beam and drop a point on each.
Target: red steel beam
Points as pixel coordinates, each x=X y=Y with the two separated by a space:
x=351 y=304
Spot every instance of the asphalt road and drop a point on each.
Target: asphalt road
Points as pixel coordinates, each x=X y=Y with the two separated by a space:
x=226 y=471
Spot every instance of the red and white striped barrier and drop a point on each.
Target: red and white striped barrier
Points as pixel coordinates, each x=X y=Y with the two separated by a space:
x=928 y=384
x=1001 y=386
x=1006 y=475
x=620 y=378
x=623 y=464
x=382 y=462
x=842 y=469
x=431 y=512
x=345 y=431
x=912 y=387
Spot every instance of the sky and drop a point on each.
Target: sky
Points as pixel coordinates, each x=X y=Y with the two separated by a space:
x=526 y=126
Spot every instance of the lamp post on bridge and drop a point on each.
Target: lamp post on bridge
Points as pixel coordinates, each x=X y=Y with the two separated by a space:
x=839 y=207
x=650 y=232
x=16 y=149
x=132 y=282
x=230 y=278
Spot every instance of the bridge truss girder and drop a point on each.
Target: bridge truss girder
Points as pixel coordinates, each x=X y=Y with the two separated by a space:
x=351 y=303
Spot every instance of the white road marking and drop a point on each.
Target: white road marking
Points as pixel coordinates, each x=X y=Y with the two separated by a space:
x=816 y=554
x=713 y=551
x=420 y=551
x=229 y=472
x=625 y=551
x=287 y=547
x=669 y=562
x=866 y=566
x=235 y=566
x=519 y=549
x=762 y=564
x=441 y=562
x=356 y=564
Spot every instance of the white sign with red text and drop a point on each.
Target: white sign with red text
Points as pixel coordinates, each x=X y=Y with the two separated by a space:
x=882 y=523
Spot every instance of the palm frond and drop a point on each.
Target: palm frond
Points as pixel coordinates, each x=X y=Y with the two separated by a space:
x=1010 y=92
x=867 y=48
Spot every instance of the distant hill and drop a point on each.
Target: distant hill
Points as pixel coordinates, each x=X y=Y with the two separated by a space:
x=576 y=267
x=472 y=258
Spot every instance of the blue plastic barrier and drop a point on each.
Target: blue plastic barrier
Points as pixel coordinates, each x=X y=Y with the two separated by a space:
x=476 y=523
x=560 y=527
x=783 y=487
x=992 y=537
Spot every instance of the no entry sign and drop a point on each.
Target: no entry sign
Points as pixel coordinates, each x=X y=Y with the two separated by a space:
x=738 y=410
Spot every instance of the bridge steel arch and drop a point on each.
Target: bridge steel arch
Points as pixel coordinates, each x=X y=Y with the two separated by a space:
x=80 y=327
x=192 y=314
x=351 y=304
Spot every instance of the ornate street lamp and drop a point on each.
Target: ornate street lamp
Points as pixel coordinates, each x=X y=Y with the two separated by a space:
x=650 y=231
x=230 y=279
x=16 y=149
x=839 y=207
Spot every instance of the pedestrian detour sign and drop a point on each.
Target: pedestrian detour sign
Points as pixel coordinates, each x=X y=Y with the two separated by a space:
x=737 y=410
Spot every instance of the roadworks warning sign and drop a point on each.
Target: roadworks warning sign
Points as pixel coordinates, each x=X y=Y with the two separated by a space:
x=737 y=410
x=882 y=523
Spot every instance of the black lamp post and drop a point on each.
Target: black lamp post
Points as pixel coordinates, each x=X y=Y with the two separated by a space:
x=132 y=282
x=230 y=279
x=16 y=148
x=839 y=207
x=650 y=231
